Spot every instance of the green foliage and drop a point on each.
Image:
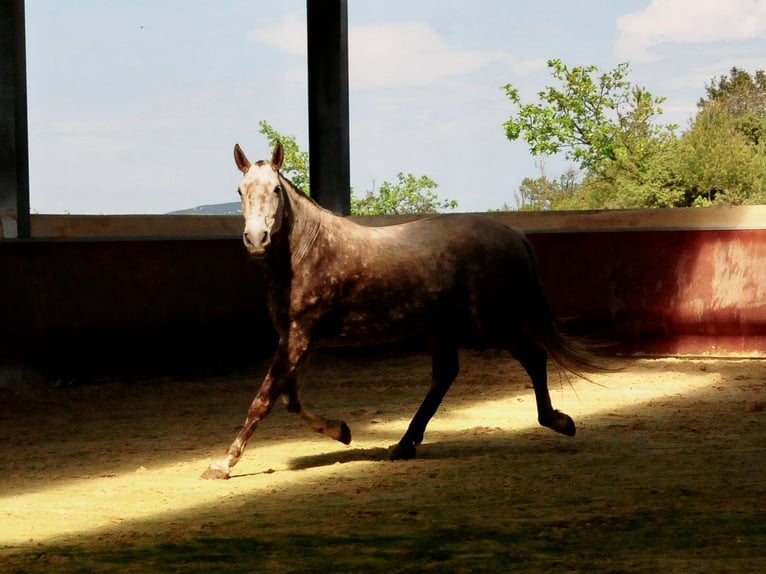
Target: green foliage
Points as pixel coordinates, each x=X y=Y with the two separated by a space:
x=724 y=151
x=741 y=91
x=608 y=128
x=296 y=164
x=718 y=163
x=591 y=117
x=742 y=97
x=410 y=194
x=544 y=193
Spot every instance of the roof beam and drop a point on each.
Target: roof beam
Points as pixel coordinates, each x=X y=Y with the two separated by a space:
x=327 y=31
x=14 y=148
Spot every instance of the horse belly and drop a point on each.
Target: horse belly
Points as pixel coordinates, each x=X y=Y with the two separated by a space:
x=410 y=312
x=372 y=327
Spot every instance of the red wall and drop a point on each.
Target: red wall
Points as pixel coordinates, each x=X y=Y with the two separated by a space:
x=661 y=291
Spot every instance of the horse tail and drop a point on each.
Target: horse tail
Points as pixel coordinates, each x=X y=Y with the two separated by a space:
x=570 y=353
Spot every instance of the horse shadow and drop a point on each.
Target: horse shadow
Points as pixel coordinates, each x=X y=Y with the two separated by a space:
x=440 y=450
x=374 y=454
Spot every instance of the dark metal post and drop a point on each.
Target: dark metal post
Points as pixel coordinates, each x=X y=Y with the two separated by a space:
x=327 y=27
x=14 y=148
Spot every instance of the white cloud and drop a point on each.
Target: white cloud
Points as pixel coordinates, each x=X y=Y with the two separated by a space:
x=407 y=54
x=386 y=55
x=688 y=22
x=287 y=35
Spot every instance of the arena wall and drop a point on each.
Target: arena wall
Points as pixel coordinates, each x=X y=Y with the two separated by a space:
x=132 y=291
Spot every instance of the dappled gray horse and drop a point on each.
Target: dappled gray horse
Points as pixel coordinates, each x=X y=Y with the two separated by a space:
x=460 y=280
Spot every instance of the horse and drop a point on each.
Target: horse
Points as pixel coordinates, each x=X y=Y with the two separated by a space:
x=456 y=280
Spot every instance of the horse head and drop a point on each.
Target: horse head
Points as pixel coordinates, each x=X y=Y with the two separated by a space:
x=263 y=199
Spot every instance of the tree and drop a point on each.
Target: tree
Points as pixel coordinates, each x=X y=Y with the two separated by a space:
x=628 y=160
x=592 y=118
x=296 y=163
x=739 y=92
x=411 y=194
x=743 y=98
x=543 y=193
x=718 y=162
x=609 y=128
x=721 y=158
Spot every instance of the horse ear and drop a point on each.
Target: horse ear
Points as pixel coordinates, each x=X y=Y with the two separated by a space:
x=278 y=155
x=241 y=159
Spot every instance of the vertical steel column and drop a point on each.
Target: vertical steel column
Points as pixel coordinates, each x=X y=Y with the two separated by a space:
x=14 y=148
x=327 y=29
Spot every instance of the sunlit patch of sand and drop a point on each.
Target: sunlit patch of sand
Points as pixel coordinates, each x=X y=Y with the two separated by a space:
x=70 y=508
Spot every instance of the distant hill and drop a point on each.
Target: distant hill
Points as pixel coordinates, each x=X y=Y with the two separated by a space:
x=233 y=208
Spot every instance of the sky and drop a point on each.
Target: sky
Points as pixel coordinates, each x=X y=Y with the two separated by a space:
x=134 y=107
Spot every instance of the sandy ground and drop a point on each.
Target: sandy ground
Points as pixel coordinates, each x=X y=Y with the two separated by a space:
x=666 y=473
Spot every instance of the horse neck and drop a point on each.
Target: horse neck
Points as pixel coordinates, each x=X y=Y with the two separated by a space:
x=306 y=221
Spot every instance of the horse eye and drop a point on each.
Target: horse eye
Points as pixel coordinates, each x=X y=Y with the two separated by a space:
x=278 y=189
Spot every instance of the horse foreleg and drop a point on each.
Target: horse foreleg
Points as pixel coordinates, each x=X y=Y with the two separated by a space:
x=282 y=370
x=259 y=408
x=534 y=359
x=444 y=369
x=332 y=428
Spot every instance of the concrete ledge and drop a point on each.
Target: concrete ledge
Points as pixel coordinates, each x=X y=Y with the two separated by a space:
x=743 y=217
x=219 y=226
x=135 y=226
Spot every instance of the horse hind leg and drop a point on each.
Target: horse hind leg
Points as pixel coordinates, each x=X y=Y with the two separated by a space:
x=332 y=428
x=534 y=359
x=444 y=369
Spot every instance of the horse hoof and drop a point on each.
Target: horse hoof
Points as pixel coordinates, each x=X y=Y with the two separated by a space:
x=213 y=473
x=337 y=430
x=560 y=422
x=401 y=451
x=345 y=433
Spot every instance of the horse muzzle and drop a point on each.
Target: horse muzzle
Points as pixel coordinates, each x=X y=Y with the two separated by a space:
x=257 y=254
x=256 y=242
x=256 y=251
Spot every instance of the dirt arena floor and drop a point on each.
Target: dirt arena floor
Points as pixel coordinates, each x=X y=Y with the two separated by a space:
x=666 y=473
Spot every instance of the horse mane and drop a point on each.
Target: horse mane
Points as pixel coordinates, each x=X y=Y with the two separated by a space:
x=299 y=194
x=314 y=214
